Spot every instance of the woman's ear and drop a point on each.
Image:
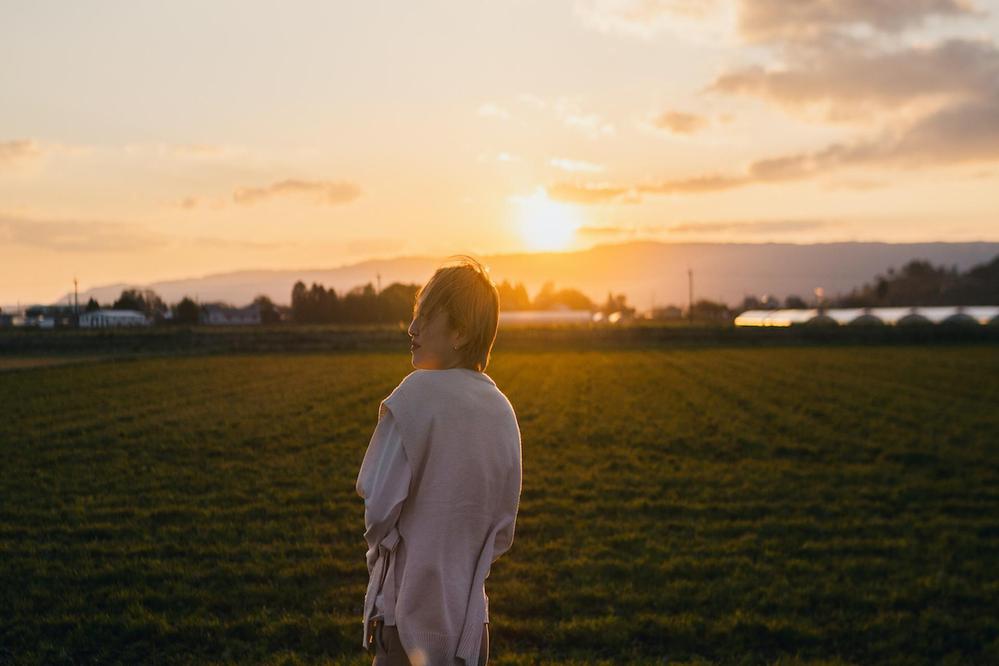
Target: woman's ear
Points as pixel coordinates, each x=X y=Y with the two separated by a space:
x=458 y=339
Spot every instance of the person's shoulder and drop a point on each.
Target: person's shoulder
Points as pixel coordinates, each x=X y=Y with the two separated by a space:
x=412 y=385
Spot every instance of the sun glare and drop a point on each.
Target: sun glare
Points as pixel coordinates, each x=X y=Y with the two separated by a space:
x=546 y=224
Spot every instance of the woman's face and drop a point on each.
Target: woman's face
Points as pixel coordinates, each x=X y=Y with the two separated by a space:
x=434 y=342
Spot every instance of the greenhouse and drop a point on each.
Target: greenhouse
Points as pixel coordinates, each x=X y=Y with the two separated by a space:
x=984 y=315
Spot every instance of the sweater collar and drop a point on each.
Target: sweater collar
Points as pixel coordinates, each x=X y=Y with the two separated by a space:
x=466 y=372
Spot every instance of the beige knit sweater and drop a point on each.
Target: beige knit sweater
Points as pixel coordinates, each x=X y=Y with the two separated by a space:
x=461 y=440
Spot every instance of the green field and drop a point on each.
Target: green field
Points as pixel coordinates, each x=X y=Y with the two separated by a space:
x=821 y=505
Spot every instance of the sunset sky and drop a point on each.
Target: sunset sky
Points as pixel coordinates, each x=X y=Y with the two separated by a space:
x=142 y=141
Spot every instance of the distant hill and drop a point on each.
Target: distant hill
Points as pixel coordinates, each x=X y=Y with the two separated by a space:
x=642 y=270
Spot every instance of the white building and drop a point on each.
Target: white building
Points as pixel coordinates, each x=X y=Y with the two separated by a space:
x=894 y=316
x=112 y=318
x=214 y=314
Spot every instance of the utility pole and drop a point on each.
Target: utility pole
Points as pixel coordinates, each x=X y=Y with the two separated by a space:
x=379 y=276
x=690 y=295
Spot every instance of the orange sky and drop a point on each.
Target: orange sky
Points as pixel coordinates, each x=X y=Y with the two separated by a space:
x=143 y=141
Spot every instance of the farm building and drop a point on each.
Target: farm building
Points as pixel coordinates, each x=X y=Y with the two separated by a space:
x=112 y=318
x=215 y=314
x=896 y=316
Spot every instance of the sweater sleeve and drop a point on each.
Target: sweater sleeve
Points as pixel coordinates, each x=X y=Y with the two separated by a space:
x=504 y=537
x=383 y=482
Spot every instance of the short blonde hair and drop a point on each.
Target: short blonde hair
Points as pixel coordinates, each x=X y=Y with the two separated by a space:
x=468 y=295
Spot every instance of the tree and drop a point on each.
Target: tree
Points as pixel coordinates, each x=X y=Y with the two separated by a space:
x=299 y=303
x=186 y=312
x=706 y=310
x=920 y=283
x=145 y=301
x=513 y=298
x=130 y=299
x=795 y=302
x=617 y=304
x=548 y=298
x=360 y=305
x=268 y=311
x=396 y=301
x=92 y=305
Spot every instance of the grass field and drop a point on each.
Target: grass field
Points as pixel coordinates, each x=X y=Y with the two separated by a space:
x=737 y=506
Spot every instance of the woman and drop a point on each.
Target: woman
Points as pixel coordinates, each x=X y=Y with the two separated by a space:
x=441 y=482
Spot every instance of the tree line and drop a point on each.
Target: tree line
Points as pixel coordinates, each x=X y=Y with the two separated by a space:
x=318 y=304
x=917 y=283
x=921 y=283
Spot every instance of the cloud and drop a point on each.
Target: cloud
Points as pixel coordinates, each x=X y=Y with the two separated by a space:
x=78 y=235
x=589 y=123
x=490 y=110
x=200 y=150
x=646 y=18
x=497 y=157
x=327 y=192
x=191 y=203
x=570 y=113
x=680 y=122
x=810 y=20
x=849 y=83
x=957 y=134
x=960 y=134
x=764 y=21
x=94 y=236
x=752 y=226
x=18 y=150
x=383 y=245
x=588 y=193
x=604 y=231
x=231 y=243
x=575 y=165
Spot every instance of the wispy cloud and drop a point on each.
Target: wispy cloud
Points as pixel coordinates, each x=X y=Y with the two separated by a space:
x=758 y=21
x=848 y=84
x=780 y=20
x=609 y=230
x=689 y=19
x=939 y=102
x=751 y=226
x=587 y=122
x=327 y=192
x=680 y=122
x=575 y=165
x=502 y=157
x=728 y=227
x=959 y=134
x=78 y=235
x=192 y=203
x=490 y=110
x=589 y=193
x=18 y=150
x=380 y=245
x=96 y=236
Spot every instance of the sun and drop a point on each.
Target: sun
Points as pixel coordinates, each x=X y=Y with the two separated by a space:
x=545 y=224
